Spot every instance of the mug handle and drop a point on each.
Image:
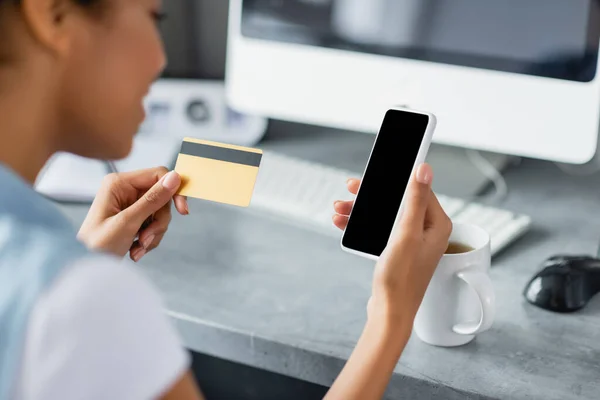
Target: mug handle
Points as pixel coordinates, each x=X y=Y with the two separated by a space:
x=482 y=284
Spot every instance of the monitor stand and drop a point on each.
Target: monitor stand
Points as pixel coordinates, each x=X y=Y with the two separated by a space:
x=456 y=175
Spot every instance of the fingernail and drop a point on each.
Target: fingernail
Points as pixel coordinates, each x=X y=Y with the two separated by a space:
x=187 y=209
x=148 y=241
x=171 y=181
x=424 y=174
x=137 y=256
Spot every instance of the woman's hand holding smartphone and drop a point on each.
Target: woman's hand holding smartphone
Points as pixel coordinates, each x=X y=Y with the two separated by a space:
x=418 y=239
x=401 y=145
x=395 y=217
x=416 y=246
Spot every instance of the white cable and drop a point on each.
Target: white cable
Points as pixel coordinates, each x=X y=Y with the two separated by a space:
x=490 y=172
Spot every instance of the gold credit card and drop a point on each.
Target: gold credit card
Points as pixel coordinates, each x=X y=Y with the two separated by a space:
x=217 y=171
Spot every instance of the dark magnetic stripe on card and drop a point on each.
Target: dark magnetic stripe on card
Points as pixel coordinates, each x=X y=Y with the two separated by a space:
x=221 y=154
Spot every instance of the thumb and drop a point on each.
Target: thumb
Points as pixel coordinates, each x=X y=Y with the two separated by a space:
x=417 y=198
x=155 y=198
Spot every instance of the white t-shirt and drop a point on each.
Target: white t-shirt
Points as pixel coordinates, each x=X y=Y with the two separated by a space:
x=99 y=332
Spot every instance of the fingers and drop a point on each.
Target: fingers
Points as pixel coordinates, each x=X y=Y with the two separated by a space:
x=157 y=197
x=353 y=184
x=136 y=252
x=150 y=237
x=181 y=204
x=417 y=199
x=343 y=207
x=340 y=221
x=144 y=179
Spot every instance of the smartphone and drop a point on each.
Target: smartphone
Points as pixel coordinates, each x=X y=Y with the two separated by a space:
x=400 y=146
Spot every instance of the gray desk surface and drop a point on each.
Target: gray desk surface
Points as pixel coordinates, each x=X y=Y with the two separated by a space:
x=247 y=287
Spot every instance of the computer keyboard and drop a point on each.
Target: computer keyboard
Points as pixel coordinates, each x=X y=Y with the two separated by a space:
x=303 y=192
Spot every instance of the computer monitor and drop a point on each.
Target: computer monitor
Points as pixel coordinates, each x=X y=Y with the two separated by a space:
x=516 y=77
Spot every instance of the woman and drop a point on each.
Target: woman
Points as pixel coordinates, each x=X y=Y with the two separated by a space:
x=74 y=322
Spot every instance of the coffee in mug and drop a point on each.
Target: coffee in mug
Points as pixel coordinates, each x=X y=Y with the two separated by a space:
x=458 y=248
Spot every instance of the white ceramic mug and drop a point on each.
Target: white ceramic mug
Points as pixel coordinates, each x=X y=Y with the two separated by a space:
x=460 y=301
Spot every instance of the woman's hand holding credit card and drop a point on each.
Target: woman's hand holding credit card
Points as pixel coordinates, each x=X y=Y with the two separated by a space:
x=218 y=172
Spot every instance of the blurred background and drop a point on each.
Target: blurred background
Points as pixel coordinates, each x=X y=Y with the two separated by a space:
x=195 y=37
x=310 y=80
x=514 y=85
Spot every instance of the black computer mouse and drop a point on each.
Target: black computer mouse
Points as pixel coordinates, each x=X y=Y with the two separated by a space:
x=565 y=283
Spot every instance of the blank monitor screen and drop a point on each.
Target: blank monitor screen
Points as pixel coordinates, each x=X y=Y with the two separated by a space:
x=550 y=38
